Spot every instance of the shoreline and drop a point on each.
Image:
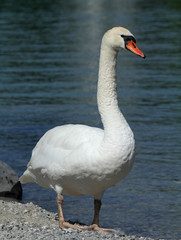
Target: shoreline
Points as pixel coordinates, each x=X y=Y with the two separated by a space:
x=29 y=221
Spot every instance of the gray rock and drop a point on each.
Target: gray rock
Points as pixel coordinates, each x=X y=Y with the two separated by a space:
x=10 y=187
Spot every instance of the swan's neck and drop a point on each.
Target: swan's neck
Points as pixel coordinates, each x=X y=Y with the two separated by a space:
x=114 y=123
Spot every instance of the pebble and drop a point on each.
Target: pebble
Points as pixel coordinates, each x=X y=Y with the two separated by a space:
x=29 y=222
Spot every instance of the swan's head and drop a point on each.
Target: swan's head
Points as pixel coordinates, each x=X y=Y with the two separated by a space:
x=121 y=38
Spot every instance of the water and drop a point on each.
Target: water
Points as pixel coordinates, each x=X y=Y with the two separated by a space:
x=48 y=76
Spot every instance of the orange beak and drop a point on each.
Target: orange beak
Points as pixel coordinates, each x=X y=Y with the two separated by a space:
x=133 y=48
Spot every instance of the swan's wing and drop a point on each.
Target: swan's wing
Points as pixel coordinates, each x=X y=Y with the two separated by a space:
x=63 y=144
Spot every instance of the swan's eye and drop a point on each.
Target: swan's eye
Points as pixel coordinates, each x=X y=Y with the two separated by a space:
x=127 y=39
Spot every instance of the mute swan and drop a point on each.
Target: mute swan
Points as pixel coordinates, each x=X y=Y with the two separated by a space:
x=82 y=160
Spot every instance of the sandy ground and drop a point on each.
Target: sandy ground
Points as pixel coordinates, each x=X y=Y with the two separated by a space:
x=28 y=221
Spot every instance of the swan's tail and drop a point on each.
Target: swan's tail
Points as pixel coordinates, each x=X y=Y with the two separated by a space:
x=27 y=177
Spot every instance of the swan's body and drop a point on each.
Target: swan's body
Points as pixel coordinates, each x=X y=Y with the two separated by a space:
x=78 y=159
x=86 y=166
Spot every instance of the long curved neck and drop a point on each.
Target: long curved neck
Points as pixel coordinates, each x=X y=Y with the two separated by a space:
x=113 y=121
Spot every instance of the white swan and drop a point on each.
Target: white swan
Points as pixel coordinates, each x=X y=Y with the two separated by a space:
x=78 y=159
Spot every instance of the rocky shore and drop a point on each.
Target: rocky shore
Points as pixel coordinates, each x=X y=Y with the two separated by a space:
x=28 y=221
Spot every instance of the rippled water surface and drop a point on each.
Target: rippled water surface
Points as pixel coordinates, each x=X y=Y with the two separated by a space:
x=48 y=76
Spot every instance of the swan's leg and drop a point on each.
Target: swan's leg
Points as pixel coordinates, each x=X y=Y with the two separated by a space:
x=95 y=223
x=97 y=207
x=62 y=223
x=60 y=211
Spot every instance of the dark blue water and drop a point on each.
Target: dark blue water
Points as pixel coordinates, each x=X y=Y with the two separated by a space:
x=49 y=53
